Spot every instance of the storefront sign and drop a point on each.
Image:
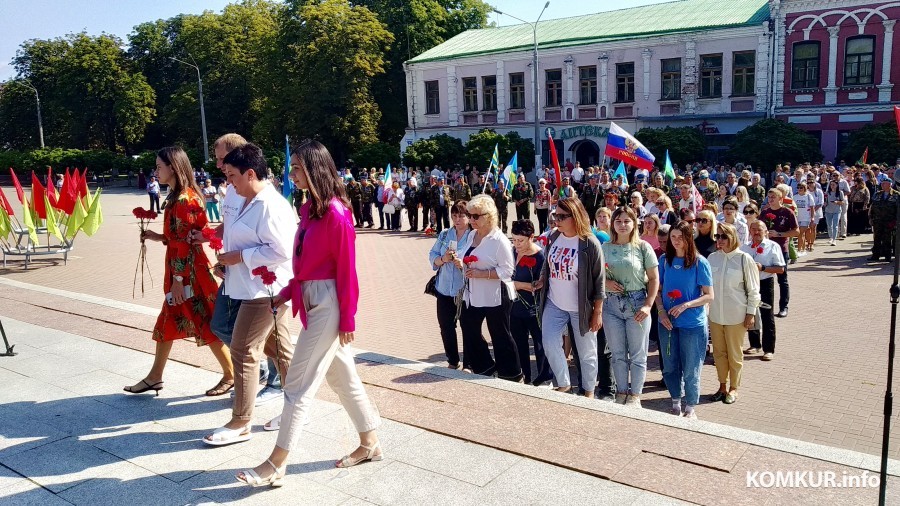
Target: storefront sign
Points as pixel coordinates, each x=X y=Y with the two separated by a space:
x=578 y=131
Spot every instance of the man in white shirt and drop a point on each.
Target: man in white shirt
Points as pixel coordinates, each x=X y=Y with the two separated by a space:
x=769 y=260
x=577 y=176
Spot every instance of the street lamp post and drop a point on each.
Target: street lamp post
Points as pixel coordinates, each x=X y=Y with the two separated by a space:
x=38 y=99
x=538 y=159
x=202 y=111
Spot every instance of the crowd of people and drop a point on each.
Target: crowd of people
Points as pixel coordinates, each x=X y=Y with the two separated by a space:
x=689 y=262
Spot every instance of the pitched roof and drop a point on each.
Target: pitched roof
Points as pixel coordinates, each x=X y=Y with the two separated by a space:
x=634 y=23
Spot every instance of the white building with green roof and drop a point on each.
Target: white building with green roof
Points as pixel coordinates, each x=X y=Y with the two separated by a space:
x=700 y=63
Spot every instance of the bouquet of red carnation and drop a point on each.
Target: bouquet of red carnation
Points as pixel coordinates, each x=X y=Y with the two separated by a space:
x=674 y=295
x=268 y=279
x=529 y=262
x=429 y=232
x=145 y=216
x=460 y=297
x=214 y=242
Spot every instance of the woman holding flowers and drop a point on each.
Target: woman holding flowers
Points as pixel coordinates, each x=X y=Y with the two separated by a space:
x=449 y=280
x=523 y=318
x=185 y=314
x=488 y=265
x=685 y=290
x=632 y=282
x=324 y=291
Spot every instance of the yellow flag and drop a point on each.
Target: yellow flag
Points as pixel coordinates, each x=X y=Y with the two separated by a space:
x=5 y=224
x=94 y=216
x=52 y=227
x=76 y=219
x=29 y=224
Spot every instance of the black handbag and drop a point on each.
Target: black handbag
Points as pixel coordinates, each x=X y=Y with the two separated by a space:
x=431 y=286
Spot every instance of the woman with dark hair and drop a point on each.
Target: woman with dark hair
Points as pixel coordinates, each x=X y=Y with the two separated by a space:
x=859 y=198
x=833 y=200
x=685 y=290
x=523 y=318
x=572 y=291
x=324 y=292
x=449 y=280
x=187 y=275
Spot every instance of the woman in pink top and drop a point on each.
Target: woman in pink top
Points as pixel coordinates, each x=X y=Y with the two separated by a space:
x=324 y=292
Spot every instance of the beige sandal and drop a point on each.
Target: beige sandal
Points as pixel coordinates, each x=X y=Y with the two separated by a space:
x=347 y=461
x=275 y=479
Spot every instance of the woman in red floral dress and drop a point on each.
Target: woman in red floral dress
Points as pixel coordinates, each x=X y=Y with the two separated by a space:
x=186 y=266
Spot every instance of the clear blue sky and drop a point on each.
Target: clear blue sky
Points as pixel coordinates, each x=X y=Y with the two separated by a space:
x=22 y=20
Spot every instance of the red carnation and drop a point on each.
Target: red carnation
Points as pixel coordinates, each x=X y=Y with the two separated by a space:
x=759 y=249
x=470 y=259
x=674 y=294
x=216 y=244
x=151 y=215
x=208 y=233
x=268 y=278
x=139 y=213
x=527 y=261
x=770 y=216
x=259 y=271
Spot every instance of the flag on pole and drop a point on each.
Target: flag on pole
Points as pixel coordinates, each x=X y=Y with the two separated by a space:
x=509 y=173
x=51 y=190
x=19 y=191
x=388 y=183
x=76 y=219
x=5 y=223
x=620 y=171
x=68 y=194
x=287 y=186
x=52 y=227
x=37 y=197
x=94 y=217
x=83 y=192
x=669 y=171
x=4 y=204
x=29 y=223
x=623 y=146
x=554 y=161
x=495 y=159
x=865 y=157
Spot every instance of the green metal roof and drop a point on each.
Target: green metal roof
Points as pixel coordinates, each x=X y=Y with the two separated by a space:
x=634 y=23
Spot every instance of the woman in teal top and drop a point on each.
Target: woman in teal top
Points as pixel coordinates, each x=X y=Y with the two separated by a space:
x=632 y=282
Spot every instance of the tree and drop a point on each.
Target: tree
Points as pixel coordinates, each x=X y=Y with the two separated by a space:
x=441 y=149
x=420 y=153
x=769 y=142
x=525 y=147
x=881 y=140
x=480 y=149
x=377 y=154
x=686 y=145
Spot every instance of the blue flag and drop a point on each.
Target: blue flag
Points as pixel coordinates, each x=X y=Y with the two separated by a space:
x=509 y=173
x=287 y=186
x=621 y=172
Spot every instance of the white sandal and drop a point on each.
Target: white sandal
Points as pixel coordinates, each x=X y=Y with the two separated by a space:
x=273 y=424
x=223 y=436
x=275 y=479
x=347 y=461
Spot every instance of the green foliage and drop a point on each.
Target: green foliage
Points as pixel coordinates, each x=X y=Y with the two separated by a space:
x=420 y=153
x=480 y=149
x=882 y=141
x=769 y=142
x=442 y=149
x=686 y=145
x=525 y=147
x=378 y=154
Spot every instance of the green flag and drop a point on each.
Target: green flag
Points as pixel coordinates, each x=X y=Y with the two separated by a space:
x=5 y=224
x=52 y=227
x=76 y=219
x=94 y=216
x=669 y=171
x=29 y=224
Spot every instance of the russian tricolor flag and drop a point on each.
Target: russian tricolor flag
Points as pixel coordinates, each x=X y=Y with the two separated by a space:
x=621 y=145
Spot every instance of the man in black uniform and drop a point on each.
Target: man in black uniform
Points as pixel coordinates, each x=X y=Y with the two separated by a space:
x=368 y=198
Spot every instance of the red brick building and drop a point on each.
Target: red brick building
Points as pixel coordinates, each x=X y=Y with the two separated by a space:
x=837 y=66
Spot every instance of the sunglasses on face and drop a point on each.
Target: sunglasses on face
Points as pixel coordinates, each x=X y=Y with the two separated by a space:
x=749 y=211
x=661 y=203
x=703 y=221
x=688 y=221
x=562 y=216
x=473 y=216
x=720 y=237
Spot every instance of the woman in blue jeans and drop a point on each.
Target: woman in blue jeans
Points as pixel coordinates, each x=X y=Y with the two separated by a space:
x=685 y=289
x=833 y=200
x=632 y=281
x=572 y=290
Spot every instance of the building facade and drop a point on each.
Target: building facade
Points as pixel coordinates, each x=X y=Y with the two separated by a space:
x=836 y=66
x=674 y=64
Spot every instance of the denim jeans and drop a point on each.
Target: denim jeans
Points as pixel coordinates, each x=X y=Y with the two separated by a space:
x=222 y=325
x=832 y=220
x=683 y=351
x=627 y=339
x=553 y=323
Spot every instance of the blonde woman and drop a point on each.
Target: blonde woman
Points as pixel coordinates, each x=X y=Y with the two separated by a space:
x=632 y=284
x=705 y=228
x=667 y=215
x=743 y=198
x=603 y=218
x=651 y=227
x=731 y=313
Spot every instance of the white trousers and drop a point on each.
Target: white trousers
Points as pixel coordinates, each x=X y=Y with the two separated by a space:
x=319 y=356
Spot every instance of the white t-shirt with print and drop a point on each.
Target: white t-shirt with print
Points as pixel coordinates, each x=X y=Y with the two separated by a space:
x=563 y=259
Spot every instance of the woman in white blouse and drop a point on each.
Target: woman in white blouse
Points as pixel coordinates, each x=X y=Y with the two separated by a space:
x=731 y=313
x=396 y=199
x=488 y=293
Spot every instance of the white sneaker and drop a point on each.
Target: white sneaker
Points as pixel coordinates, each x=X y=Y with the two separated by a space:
x=690 y=414
x=633 y=401
x=268 y=394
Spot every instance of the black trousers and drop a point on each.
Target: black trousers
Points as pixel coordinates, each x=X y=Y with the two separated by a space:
x=367 y=214
x=784 y=291
x=767 y=293
x=882 y=240
x=442 y=217
x=426 y=219
x=154 y=201
x=503 y=215
x=395 y=218
x=381 y=216
x=523 y=212
x=357 y=212
x=446 y=315
x=475 y=348
x=413 y=216
x=542 y=215
x=520 y=328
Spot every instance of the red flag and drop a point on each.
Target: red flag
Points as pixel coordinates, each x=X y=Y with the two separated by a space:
x=82 y=184
x=554 y=161
x=51 y=190
x=19 y=191
x=68 y=193
x=37 y=197
x=5 y=204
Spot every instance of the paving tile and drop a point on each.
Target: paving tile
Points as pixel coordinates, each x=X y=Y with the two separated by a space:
x=126 y=483
x=17 y=437
x=27 y=493
x=8 y=477
x=62 y=464
x=49 y=366
x=401 y=484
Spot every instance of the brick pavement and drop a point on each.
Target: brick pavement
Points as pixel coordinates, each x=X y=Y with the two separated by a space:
x=825 y=386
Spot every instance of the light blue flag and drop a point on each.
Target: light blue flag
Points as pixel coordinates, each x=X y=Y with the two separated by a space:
x=509 y=173
x=387 y=177
x=620 y=171
x=287 y=186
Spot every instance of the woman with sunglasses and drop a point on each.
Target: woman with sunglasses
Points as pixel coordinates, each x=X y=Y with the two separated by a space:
x=449 y=279
x=667 y=216
x=731 y=216
x=705 y=225
x=488 y=293
x=572 y=291
x=731 y=313
x=751 y=214
x=542 y=204
x=685 y=290
x=325 y=292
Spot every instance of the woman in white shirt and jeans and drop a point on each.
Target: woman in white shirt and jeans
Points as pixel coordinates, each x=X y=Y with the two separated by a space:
x=731 y=313
x=488 y=293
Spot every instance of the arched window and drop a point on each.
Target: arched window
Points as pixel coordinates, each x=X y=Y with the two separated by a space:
x=805 y=65
x=859 y=59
